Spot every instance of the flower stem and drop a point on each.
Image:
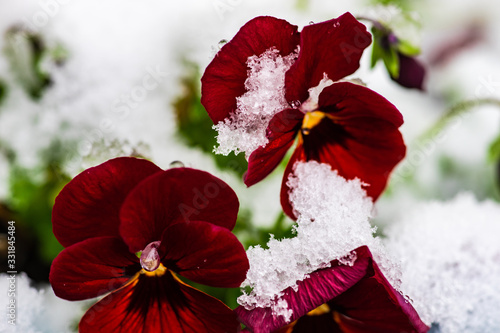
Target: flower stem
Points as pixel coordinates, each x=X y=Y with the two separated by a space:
x=454 y=112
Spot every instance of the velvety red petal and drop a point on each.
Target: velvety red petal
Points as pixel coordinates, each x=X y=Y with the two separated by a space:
x=320 y=287
x=363 y=141
x=224 y=78
x=89 y=205
x=333 y=48
x=351 y=101
x=281 y=133
x=411 y=72
x=204 y=253
x=298 y=155
x=92 y=268
x=158 y=304
x=175 y=195
x=372 y=305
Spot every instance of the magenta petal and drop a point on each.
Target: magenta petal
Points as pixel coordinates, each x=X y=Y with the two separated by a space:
x=224 y=78
x=362 y=298
x=373 y=304
x=320 y=287
x=92 y=268
x=204 y=253
x=363 y=140
x=411 y=72
x=89 y=205
x=158 y=304
x=333 y=48
x=175 y=195
x=282 y=130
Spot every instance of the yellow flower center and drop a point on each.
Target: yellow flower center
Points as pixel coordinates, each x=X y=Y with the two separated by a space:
x=160 y=271
x=311 y=120
x=322 y=309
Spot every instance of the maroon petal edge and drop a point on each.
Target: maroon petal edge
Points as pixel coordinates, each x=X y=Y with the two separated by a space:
x=89 y=205
x=92 y=268
x=281 y=130
x=333 y=48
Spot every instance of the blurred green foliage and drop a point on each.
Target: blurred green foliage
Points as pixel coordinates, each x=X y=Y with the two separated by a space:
x=26 y=51
x=398 y=3
x=3 y=91
x=32 y=195
x=494 y=150
x=194 y=126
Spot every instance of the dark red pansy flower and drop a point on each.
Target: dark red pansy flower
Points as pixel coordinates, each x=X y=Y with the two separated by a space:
x=346 y=125
x=130 y=228
x=340 y=298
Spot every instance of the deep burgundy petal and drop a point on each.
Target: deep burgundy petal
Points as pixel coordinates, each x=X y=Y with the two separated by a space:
x=89 y=205
x=320 y=287
x=298 y=155
x=92 y=268
x=411 y=72
x=361 y=300
x=363 y=141
x=281 y=131
x=333 y=47
x=204 y=253
x=158 y=304
x=372 y=305
x=224 y=78
x=175 y=195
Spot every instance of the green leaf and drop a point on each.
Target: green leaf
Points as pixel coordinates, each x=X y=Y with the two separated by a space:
x=494 y=150
x=377 y=53
x=3 y=91
x=391 y=61
x=406 y=48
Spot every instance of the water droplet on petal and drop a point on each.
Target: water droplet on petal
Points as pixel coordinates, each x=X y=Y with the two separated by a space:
x=295 y=104
x=311 y=22
x=336 y=24
x=176 y=164
x=221 y=43
x=150 y=259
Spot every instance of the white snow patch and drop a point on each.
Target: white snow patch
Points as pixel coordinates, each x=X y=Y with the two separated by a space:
x=333 y=219
x=245 y=129
x=450 y=255
x=36 y=310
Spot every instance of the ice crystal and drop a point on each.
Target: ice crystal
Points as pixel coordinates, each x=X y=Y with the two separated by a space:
x=245 y=129
x=333 y=219
x=450 y=256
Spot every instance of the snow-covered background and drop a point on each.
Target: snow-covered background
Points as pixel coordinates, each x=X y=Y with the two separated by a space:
x=114 y=91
